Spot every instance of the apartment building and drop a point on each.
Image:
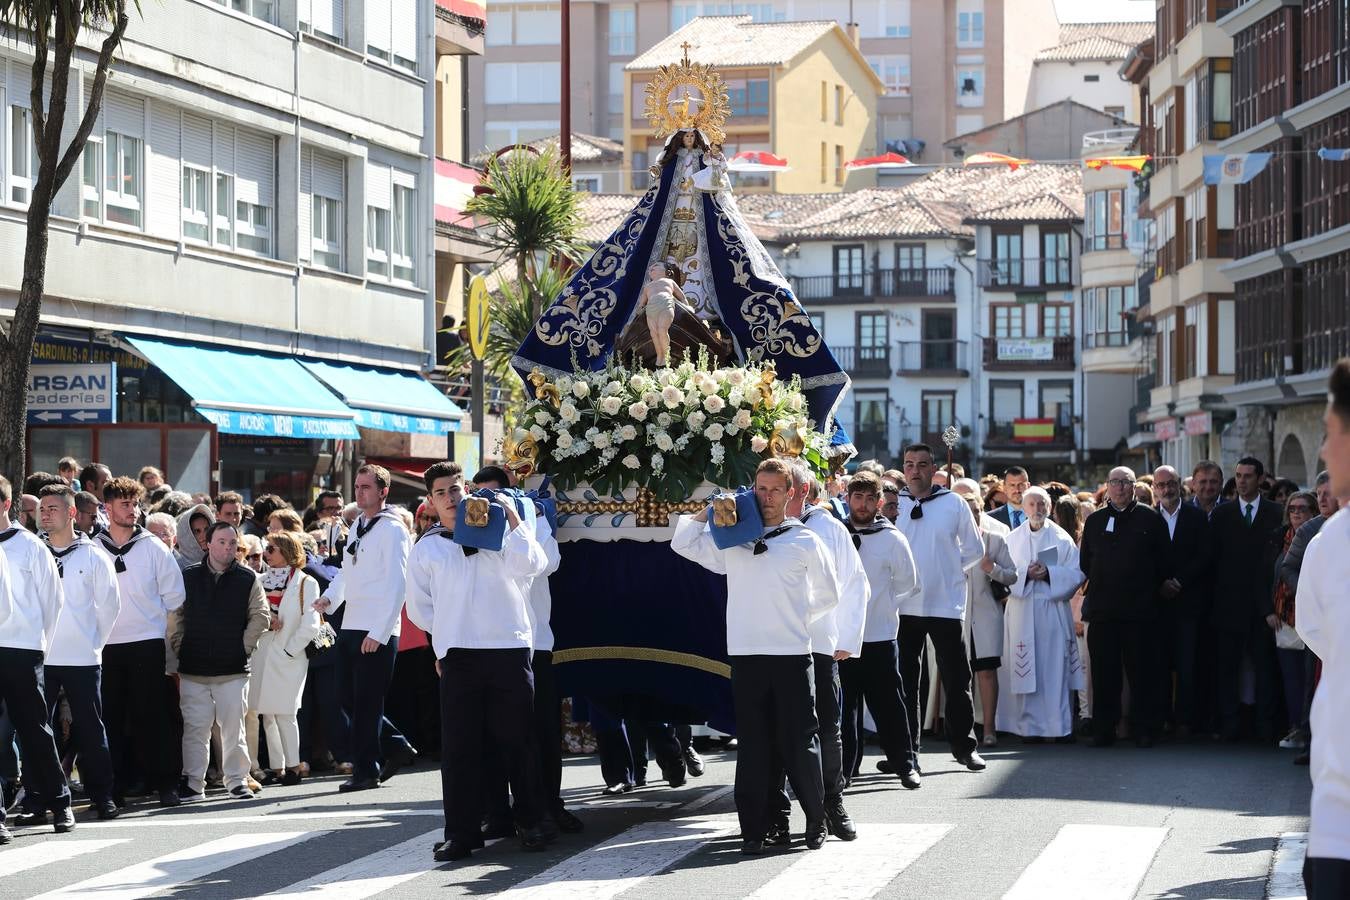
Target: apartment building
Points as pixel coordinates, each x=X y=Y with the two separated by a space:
x=250 y=237
x=1084 y=66
x=800 y=90
x=948 y=67
x=1186 y=85
x=1291 y=243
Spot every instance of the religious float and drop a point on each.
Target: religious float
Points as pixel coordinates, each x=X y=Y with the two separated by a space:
x=676 y=358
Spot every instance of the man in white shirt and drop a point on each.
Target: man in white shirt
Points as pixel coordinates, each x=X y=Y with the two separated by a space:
x=1322 y=618
x=74 y=660
x=946 y=545
x=874 y=675
x=777 y=586
x=371 y=585
x=135 y=685
x=30 y=607
x=475 y=607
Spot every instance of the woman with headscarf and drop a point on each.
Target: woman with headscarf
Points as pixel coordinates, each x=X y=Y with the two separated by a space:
x=192 y=525
x=1041 y=664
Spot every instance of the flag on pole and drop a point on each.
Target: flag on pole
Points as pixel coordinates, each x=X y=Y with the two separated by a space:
x=1131 y=163
x=985 y=159
x=1332 y=155
x=1235 y=168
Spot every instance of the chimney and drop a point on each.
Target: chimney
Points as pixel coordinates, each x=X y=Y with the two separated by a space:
x=854 y=35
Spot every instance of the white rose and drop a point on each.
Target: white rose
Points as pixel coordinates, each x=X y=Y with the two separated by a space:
x=543 y=417
x=601 y=441
x=632 y=461
x=651 y=398
x=672 y=396
x=568 y=413
x=696 y=420
x=663 y=442
x=758 y=444
x=752 y=394
x=612 y=388
x=736 y=377
x=666 y=378
x=664 y=420
x=610 y=406
x=581 y=389
x=714 y=404
x=627 y=433
x=638 y=410
x=708 y=386
x=714 y=432
x=564 y=441
x=742 y=419
x=538 y=433
x=637 y=383
x=735 y=398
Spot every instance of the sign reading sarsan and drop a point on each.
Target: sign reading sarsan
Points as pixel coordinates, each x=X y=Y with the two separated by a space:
x=75 y=393
x=1025 y=349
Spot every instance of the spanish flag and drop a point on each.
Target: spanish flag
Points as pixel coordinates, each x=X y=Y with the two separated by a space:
x=1131 y=163
x=997 y=159
x=1034 y=431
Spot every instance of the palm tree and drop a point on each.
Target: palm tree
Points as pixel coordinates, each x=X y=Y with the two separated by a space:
x=54 y=26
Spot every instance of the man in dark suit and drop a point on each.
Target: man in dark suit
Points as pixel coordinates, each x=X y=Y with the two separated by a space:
x=1185 y=600
x=1015 y=482
x=1243 y=614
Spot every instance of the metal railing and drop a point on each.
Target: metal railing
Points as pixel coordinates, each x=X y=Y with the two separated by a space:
x=1027 y=271
x=1028 y=353
x=869 y=361
x=891 y=283
x=936 y=357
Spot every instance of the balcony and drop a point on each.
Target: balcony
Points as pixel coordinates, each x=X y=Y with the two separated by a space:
x=864 y=362
x=879 y=284
x=1002 y=434
x=1011 y=354
x=935 y=358
x=1028 y=273
x=459 y=27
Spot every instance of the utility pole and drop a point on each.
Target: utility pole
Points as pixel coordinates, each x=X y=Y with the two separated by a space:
x=565 y=130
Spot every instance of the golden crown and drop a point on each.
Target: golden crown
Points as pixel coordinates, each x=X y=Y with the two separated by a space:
x=688 y=95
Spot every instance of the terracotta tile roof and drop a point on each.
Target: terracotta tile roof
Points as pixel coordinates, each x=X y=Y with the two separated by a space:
x=734 y=41
x=602 y=213
x=585 y=148
x=1082 y=41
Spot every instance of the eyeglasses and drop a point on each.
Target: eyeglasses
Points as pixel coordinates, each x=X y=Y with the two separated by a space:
x=1121 y=482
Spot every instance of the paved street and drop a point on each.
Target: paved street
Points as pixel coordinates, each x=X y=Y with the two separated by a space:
x=1190 y=821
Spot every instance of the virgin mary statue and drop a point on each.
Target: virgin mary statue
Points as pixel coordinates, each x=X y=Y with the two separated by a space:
x=687 y=217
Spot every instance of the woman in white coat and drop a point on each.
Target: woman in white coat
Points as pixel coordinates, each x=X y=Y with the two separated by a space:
x=1041 y=665
x=280 y=664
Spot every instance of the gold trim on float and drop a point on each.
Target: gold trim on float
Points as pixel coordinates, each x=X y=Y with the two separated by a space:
x=643 y=654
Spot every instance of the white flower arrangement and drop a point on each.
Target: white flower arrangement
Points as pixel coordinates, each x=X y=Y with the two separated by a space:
x=668 y=430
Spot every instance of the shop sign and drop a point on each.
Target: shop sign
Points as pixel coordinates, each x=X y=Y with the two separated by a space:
x=72 y=393
x=1165 y=429
x=1198 y=423
x=1026 y=349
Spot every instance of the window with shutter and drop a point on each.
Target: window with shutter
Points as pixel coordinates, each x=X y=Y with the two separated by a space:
x=404 y=244
x=379 y=202
x=321 y=209
x=379 y=40
x=255 y=165
x=323 y=18
x=404 y=33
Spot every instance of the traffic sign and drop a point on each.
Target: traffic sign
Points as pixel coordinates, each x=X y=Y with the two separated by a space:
x=478 y=316
x=72 y=393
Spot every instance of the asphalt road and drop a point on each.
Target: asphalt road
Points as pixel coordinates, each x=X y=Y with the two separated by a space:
x=1178 y=821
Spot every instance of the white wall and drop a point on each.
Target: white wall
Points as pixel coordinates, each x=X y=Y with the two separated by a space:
x=1055 y=81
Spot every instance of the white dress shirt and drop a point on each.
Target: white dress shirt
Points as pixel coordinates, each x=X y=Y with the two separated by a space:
x=30 y=598
x=541 y=600
x=890 y=569
x=1322 y=619
x=150 y=588
x=773 y=596
x=92 y=602
x=371 y=581
x=842 y=627
x=1171 y=518
x=946 y=545
x=477 y=601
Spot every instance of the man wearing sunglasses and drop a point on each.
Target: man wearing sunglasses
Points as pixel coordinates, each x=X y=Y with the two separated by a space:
x=946 y=545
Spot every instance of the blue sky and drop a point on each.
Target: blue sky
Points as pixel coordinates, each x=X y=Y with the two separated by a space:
x=1103 y=10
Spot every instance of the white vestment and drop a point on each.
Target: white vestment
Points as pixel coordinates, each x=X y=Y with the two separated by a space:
x=1040 y=654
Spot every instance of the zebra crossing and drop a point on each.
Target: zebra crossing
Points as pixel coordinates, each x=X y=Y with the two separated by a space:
x=1104 y=862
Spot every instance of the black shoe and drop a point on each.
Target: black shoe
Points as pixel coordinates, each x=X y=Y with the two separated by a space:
x=1085 y=728
x=1066 y=739
x=5 y=836
x=63 y=820
x=290 y=779
x=1033 y=740
x=9 y=795
x=1103 y=740
x=271 y=779
x=27 y=819
x=1302 y=759
x=752 y=848
x=614 y=790
x=778 y=835
x=358 y=784
x=492 y=832
x=549 y=829
x=404 y=757
x=106 y=810
x=837 y=820
x=693 y=762
x=568 y=823
x=884 y=767
x=1144 y=742
x=452 y=851
x=533 y=839
x=973 y=761
x=911 y=780
x=676 y=779
x=815 y=835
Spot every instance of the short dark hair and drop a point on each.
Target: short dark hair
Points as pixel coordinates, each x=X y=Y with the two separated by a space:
x=69 y=463
x=492 y=473
x=86 y=500
x=916 y=448
x=267 y=504
x=228 y=497
x=1207 y=465
x=327 y=495
x=382 y=477
x=123 y=488
x=1254 y=463
x=217 y=526
x=865 y=482
x=34 y=483
x=1338 y=390
x=1015 y=470
x=446 y=469
x=58 y=490
x=89 y=474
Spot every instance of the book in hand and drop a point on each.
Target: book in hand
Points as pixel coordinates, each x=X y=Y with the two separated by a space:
x=1049 y=556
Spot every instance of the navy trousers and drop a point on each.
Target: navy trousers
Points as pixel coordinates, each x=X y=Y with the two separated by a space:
x=363 y=680
x=874 y=677
x=83 y=687
x=21 y=693
x=137 y=712
x=828 y=704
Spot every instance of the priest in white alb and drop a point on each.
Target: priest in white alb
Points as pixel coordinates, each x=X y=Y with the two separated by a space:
x=1040 y=653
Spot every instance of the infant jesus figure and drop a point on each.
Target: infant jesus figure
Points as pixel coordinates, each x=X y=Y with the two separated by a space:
x=658 y=297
